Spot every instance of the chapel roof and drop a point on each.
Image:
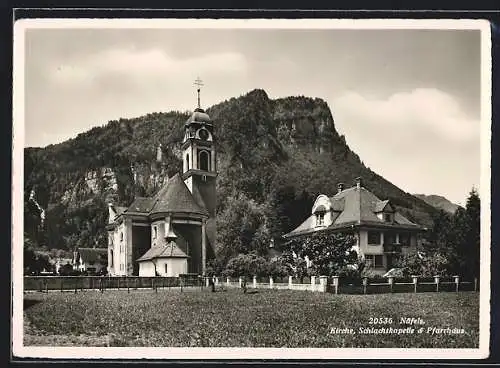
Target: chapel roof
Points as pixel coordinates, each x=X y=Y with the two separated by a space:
x=168 y=250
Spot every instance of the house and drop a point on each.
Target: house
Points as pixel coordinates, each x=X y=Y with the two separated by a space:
x=172 y=232
x=382 y=233
x=91 y=260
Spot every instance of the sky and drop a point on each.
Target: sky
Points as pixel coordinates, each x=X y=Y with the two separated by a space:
x=407 y=101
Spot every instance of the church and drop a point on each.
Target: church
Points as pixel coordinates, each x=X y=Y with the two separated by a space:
x=172 y=232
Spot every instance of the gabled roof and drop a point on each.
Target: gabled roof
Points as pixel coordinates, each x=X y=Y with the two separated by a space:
x=381 y=206
x=176 y=197
x=169 y=250
x=92 y=255
x=355 y=207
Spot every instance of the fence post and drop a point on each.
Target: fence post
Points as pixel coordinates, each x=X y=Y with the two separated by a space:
x=415 y=280
x=313 y=283
x=228 y=282
x=365 y=283
x=119 y=283
x=336 y=284
x=475 y=283
x=255 y=282
x=271 y=282
x=128 y=285
x=290 y=281
x=391 y=283
x=436 y=280
x=457 y=282
x=240 y=282
x=322 y=283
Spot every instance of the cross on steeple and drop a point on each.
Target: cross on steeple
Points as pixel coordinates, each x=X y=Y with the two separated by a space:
x=198 y=82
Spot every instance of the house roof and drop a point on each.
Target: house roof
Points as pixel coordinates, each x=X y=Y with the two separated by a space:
x=357 y=207
x=92 y=255
x=169 y=250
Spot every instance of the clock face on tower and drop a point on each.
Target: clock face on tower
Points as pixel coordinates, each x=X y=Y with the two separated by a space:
x=203 y=134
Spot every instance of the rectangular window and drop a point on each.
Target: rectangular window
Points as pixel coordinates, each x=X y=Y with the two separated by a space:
x=155 y=232
x=320 y=219
x=375 y=261
x=387 y=217
x=374 y=237
x=121 y=236
x=166 y=269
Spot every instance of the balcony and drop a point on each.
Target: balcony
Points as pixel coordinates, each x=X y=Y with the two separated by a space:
x=392 y=248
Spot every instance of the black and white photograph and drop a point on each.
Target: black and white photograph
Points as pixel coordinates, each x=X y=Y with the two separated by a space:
x=251 y=189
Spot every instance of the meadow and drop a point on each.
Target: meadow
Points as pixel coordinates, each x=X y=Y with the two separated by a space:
x=260 y=318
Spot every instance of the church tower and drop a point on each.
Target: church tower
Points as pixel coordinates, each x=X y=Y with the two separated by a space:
x=199 y=160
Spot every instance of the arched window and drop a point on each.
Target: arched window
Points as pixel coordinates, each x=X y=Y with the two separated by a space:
x=204 y=160
x=111 y=258
x=187 y=161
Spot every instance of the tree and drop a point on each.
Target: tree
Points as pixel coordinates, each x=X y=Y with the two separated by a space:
x=329 y=252
x=241 y=228
x=296 y=266
x=247 y=265
x=471 y=245
x=433 y=264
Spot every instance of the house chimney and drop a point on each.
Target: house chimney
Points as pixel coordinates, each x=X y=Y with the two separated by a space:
x=340 y=187
x=359 y=182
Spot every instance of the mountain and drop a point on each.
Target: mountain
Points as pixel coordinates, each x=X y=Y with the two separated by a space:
x=439 y=202
x=274 y=157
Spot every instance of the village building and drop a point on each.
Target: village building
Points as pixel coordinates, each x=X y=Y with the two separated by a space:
x=172 y=232
x=91 y=260
x=382 y=233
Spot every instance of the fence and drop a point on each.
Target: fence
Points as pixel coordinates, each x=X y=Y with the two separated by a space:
x=75 y=283
x=339 y=285
x=332 y=284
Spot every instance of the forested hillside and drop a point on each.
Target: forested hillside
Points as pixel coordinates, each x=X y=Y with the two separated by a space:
x=274 y=158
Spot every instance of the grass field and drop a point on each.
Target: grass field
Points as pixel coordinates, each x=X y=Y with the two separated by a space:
x=267 y=318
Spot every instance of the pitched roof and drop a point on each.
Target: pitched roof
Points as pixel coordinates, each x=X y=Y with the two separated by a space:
x=176 y=197
x=141 y=204
x=115 y=212
x=92 y=255
x=380 y=206
x=355 y=206
x=169 y=250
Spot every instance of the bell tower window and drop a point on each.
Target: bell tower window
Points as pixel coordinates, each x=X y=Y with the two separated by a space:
x=187 y=161
x=204 y=161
